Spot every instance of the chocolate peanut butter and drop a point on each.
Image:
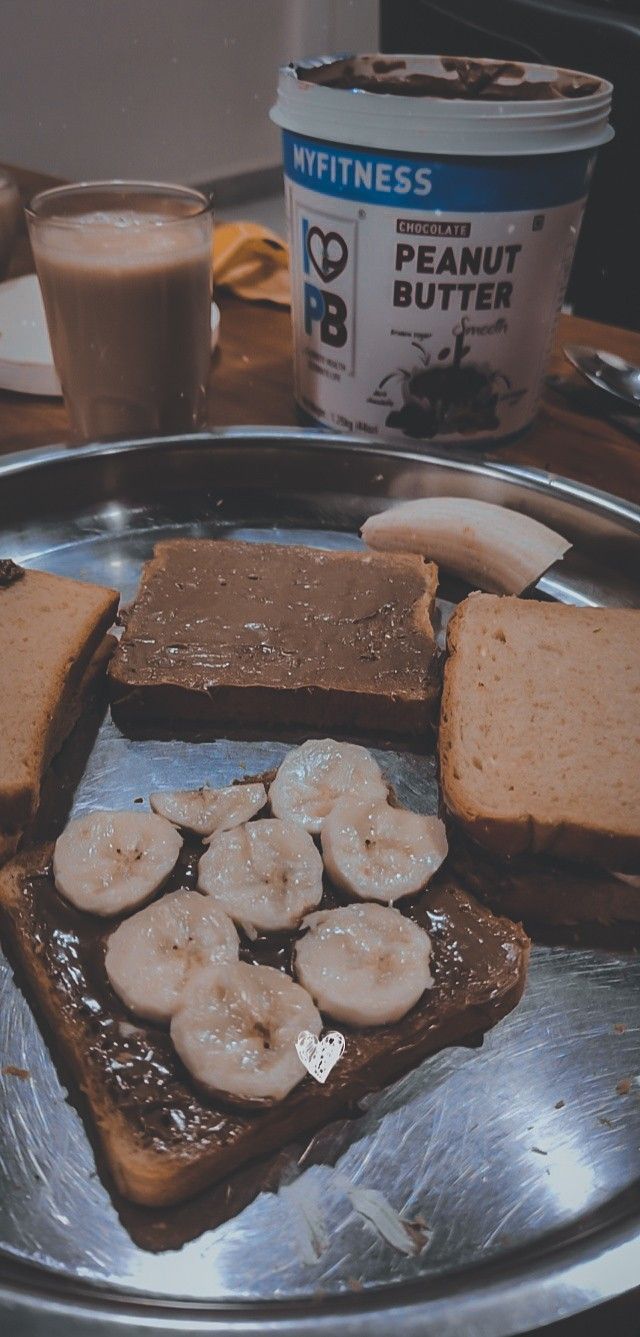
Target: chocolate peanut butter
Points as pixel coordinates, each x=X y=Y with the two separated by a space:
x=504 y=81
x=262 y=634
x=10 y=572
x=434 y=203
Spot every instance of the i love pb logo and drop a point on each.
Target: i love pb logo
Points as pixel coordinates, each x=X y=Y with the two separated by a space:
x=325 y=258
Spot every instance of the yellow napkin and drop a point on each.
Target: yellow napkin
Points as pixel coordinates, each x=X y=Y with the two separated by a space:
x=251 y=262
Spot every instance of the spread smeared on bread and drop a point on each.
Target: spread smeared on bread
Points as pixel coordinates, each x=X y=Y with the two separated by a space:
x=228 y=631
x=167 y=1134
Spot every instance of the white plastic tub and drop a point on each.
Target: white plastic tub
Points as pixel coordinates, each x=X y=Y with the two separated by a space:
x=431 y=238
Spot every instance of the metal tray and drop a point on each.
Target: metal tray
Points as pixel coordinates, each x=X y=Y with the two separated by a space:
x=521 y=1155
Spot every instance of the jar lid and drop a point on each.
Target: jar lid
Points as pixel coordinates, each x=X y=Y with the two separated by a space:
x=448 y=105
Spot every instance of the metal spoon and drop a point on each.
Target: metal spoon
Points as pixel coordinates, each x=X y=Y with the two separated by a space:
x=607 y=371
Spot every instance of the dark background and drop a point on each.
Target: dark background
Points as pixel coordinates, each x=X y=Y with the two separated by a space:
x=599 y=37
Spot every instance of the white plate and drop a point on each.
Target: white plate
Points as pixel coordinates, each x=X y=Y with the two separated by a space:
x=26 y=363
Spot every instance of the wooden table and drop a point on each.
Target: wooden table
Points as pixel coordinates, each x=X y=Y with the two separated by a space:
x=251 y=382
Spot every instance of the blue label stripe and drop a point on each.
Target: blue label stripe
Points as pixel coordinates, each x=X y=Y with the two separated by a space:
x=459 y=185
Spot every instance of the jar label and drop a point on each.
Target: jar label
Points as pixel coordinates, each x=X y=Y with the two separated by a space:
x=425 y=292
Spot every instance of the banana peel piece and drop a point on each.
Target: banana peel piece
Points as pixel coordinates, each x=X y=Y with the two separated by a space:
x=489 y=546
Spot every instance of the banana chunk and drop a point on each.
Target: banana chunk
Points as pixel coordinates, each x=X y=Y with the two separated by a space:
x=152 y=955
x=487 y=545
x=204 y=810
x=266 y=874
x=236 y=1030
x=380 y=853
x=315 y=775
x=109 y=862
x=363 y=964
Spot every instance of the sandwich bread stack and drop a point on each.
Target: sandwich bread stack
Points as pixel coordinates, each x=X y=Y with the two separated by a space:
x=540 y=752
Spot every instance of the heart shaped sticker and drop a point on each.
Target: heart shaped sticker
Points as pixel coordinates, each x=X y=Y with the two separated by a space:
x=320 y=1056
x=327 y=252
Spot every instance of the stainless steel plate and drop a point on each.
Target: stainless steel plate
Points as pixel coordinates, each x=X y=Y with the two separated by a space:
x=523 y=1155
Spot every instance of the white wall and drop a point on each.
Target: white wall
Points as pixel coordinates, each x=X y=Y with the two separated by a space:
x=173 y=89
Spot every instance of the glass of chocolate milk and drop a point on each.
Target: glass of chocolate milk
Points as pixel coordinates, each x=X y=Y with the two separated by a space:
x=10 y=213
x=126 y=272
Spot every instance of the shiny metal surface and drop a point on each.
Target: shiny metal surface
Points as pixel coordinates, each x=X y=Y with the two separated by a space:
x=523 y=1156
x=607 y=372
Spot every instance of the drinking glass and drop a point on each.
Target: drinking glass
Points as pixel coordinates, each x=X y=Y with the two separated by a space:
x=10 y=211
x=125 y=269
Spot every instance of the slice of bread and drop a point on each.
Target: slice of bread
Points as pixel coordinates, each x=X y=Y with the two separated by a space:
x=73 y=705
x=163 y=1141
x=557 y=901
x=267 y=635
x=51 y=629
x=540 y=729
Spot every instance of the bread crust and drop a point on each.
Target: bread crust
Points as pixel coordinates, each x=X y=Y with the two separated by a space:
x=520 y=833
x=545 y=894
x=314 y=709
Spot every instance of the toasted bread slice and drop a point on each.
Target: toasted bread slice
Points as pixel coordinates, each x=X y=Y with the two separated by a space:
x=232 y=633
x=72 y=706
x=162 y=1140
x=557 y=901
x=540 y=729
x=50 y=629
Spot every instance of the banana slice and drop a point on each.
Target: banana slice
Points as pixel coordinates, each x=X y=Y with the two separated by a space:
x=315 y=775
x=363 y=964
x=266 y=874
x=151 y=956
x=236 y=1030
x=380 y=853
x=107 y=862
x=487 y=545
x=204 y=810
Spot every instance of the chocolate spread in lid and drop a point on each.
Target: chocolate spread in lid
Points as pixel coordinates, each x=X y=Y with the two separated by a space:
x=462 y=78
x=10 y=572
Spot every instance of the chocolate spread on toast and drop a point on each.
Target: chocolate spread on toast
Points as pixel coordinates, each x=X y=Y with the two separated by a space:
x=266 y=634
x=478 y=964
